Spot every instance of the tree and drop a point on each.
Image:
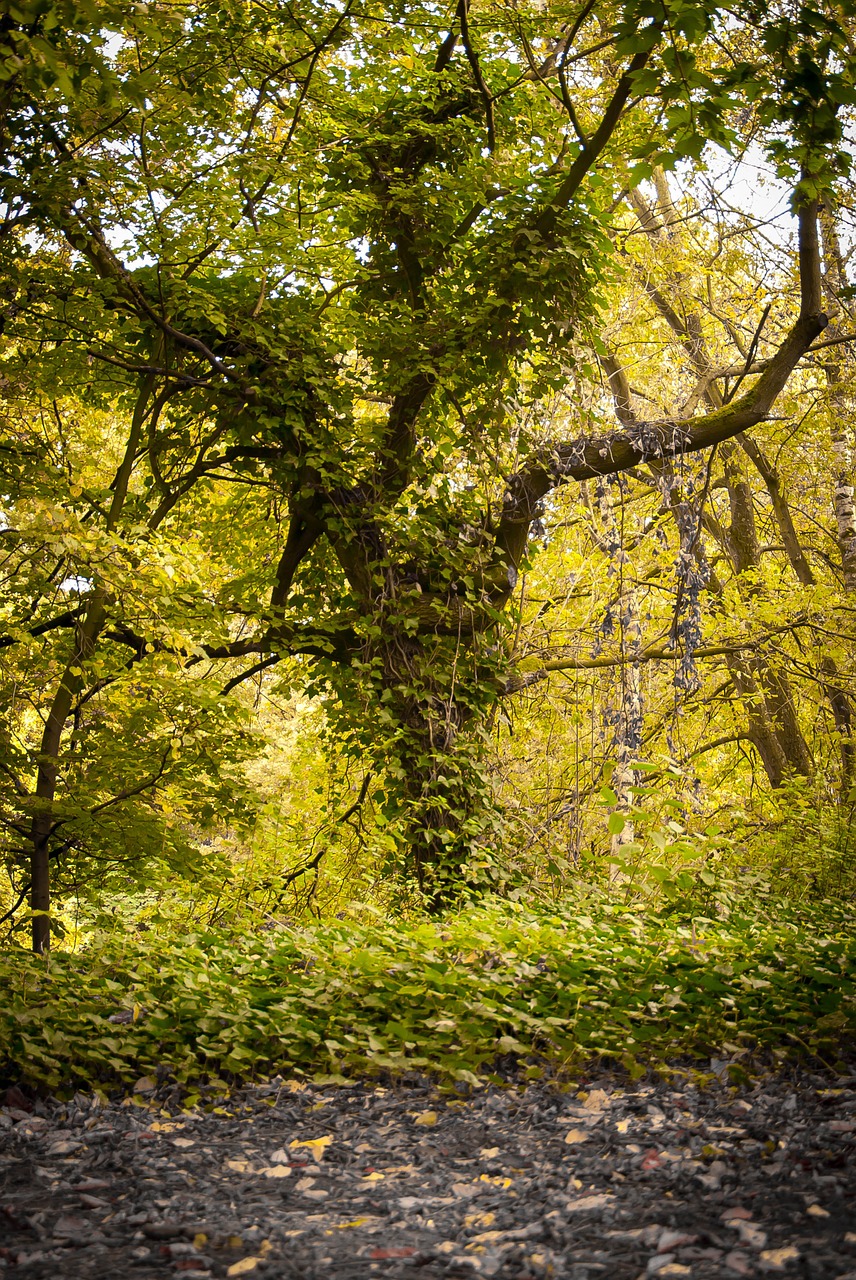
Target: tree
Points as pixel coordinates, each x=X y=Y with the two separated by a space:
x=356 y=252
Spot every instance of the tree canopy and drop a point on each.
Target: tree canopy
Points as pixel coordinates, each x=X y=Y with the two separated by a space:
x=312 y=314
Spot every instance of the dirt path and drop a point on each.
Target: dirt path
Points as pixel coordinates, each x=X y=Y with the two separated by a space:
x=616 y=1181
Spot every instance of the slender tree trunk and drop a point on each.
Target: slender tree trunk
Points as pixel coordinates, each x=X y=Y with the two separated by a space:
x=840 y=375
x=70 y=687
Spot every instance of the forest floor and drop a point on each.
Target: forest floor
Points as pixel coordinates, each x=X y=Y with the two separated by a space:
x=610 y=1179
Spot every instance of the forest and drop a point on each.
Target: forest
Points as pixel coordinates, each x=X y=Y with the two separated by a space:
x=428 y=532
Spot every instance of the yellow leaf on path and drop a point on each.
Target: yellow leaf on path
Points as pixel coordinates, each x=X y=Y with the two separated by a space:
x=200 y=1240
x=622 y=1126
x=489 y=1153
x=426 y=1118
x=316 y=1145
x=343 y=1226
x=778 y=1257
x=596 y=1100
x=495 y=1180
x=479 y=1219
x=165 y=1126
x=817 y=1211
x=576 y=1135
x=184 y=1142
x=276 y=1171
x=243 y=1267
x=373 y=1177
x=239 y=1166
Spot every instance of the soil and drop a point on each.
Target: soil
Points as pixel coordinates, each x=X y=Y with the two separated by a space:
x=606 y=1179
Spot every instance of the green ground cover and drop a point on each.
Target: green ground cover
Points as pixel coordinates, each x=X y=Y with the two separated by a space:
x=460 y=998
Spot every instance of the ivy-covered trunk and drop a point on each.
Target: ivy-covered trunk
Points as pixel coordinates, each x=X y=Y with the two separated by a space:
x=424 y=703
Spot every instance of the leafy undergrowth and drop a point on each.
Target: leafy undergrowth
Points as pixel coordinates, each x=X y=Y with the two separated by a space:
x=460 y=999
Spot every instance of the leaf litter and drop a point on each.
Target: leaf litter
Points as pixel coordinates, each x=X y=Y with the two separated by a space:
x=403 y=1181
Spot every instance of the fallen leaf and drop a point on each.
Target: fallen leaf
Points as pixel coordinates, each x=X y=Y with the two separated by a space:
x=243 y=1267
x=622 y=1126
x=817 y=1211
x=495 y=1180
x=464 y=1190
x=239 y=1166
x=345 y=1226
x=280 y=1156
x=596 y=1100
x=145 y=1084
x=750 y=1234
x=778 y=1259
x=574 y=1136
x=670 y=1239
x=426 y=1118
x=63 y=1148
x=403 y=1251
x=587 y=1203
x=651 y=1159
x=317 y=1146
x=479 y=1219
x=736 y=1211
x=68 y=1226
x=489 y=1153
x=374 y=1176
x=184 y=1142
x=200 y=1240
x=276 y=1171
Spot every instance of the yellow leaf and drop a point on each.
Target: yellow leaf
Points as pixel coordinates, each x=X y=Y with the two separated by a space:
x=239 y=1166
x=426 y=1118
x=489 y=1153
x=373 y=1177
x=165 y=1126
x=576 y=1135
x=316 y=1145
x=778 y=1257
x=496 y=1181
x=243 y=1267
x=479 y=1219
x=200 y=1240
x=343 y=1226
x=276 y=1171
